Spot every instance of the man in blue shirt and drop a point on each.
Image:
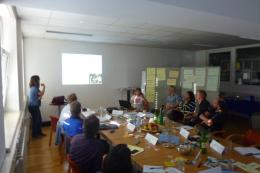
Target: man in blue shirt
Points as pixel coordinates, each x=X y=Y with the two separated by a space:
x=173 y=100
x=73 y=125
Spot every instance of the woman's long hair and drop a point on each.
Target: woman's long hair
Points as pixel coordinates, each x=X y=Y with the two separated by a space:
x=191 y=95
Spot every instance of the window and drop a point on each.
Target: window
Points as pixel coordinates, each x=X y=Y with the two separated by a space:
x=248 y=66
x=4 y=65
x=81 y=69
x=222 y=60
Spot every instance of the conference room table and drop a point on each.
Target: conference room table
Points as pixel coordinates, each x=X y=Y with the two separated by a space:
x=158 y=155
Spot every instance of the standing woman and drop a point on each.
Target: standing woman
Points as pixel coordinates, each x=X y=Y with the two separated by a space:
x=34 y=103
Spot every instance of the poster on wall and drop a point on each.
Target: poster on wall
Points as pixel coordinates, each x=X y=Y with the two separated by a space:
x=213 y=79
x=161 y=74
x=200 y=76
x=188 y=78
x=150 y=84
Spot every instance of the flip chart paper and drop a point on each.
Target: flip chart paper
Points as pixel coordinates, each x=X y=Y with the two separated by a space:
x=161 y=74
x=200 y=76
x=188 y=78
x=173 y=74
x=213 y=79
x=151 y=139
x=171 y=82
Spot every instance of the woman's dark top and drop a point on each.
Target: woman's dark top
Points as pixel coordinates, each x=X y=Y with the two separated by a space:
x=217 y=121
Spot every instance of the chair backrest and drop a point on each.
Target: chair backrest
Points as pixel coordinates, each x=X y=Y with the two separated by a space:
x=75 y=168
x=252 y=137
x=54 y=120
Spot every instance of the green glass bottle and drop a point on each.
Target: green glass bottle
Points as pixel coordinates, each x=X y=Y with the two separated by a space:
x=156 y=116
x=161 y=116
x=203 y=142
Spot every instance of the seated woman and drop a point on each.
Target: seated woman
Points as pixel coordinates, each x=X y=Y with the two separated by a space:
x=213 y=121
x=118 y=160
x=65 y=114
x=138 y=101
x=87 y=150
x=73 y=125
x=188 y=105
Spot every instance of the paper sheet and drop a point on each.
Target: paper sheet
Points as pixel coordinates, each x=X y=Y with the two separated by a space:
x=188 y=78
x=212 y=170
x=246 y=167
x=152 y=169
x=171 y=82
x=150 y=73
x=187 y=84
x=247 y=150
x=132 y=148
x=200 y=76
x=161 y=74
x=173 y=74
x=213 y=79
x=150 y=93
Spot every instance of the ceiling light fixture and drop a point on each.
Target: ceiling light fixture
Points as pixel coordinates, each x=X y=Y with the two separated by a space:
x=69 y=33
x=204 y=45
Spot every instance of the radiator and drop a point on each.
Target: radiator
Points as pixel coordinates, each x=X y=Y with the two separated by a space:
x=22 y=146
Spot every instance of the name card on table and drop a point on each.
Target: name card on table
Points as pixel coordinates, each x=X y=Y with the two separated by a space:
x=151 y=139
x=130 y=127
x=108 y=117
x=185 y=133
x=117 y=112
x=140 y=114
x=216 y=146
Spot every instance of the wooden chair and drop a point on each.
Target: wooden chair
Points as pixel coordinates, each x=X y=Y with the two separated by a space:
x=54 y=120
x=250 y=138
x=73 y=167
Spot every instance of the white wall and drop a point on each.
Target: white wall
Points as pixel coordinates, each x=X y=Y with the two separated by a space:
x=122 y=66
x=201 y=58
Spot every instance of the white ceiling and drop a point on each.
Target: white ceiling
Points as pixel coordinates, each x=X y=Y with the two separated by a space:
x=118 y=30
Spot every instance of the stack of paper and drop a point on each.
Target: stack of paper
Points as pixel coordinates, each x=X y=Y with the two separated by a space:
x=135 y=150
x=248 y=151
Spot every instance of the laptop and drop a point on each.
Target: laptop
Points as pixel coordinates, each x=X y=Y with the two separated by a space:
x=125 y=104
x=59 y=100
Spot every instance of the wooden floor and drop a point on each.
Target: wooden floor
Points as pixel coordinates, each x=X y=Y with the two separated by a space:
x=42 y=158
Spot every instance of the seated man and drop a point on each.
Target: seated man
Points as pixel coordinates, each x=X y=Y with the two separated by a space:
x=213 y=121
x=87 y=150
x=73 y=125
x=202 y=106
x=173 y=100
